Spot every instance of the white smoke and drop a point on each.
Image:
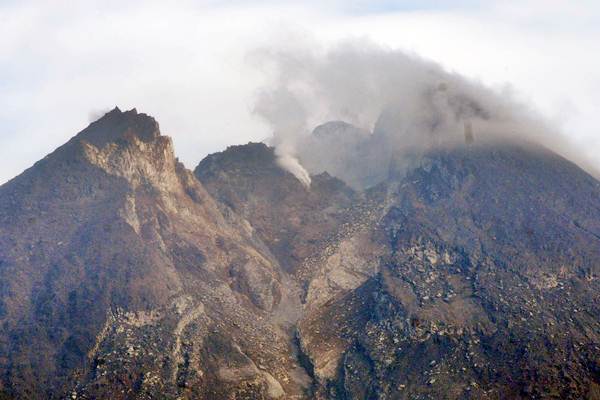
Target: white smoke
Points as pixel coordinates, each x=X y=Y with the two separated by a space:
x=292 y=164
x=282 y=109
x=406 y=105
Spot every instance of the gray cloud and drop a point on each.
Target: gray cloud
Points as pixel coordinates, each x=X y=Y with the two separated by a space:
x=398 y=106
x=185 y=65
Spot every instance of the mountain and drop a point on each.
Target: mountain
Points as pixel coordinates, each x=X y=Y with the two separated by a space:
x=124 y=275
x=121 y=275
x=490 y=289
x=292 y=220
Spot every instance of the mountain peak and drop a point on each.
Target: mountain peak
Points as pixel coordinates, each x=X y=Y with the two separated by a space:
x=121 y=274
x=118 y=125
x=121 y=143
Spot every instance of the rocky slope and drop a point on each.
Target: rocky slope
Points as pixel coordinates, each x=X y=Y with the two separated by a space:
x=490 y=290
x=293 y=220
x=124 y=275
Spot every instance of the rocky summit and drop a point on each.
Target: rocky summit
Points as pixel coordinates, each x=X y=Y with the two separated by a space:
x=474 y=274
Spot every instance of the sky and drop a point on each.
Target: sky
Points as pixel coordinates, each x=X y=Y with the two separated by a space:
x=189 y=63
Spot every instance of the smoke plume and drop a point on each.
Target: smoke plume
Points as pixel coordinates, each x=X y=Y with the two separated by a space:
x=394 y=107
x=286 y=114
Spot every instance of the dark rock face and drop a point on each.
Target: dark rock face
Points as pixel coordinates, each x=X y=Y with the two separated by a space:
x=292 y=220
x=124 y=275
x=490 y=290
x=115 y=261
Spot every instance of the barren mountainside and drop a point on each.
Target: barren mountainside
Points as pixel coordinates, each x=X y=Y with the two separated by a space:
x=123 y=275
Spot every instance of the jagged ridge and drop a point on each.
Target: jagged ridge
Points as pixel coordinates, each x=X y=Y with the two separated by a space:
x=124 y=275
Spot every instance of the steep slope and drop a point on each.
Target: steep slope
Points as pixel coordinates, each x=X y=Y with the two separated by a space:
x=326 y=237
x=124 y=275
x=491 y=289
x=120 y=277
x=293 y=220
x=428 y=263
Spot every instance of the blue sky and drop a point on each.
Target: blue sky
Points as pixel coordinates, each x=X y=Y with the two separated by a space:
x=62 y=63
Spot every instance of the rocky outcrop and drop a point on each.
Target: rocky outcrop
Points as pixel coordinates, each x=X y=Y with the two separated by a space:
x=469 y=303
x=292 y=220
x=124 y=275
x=120 y=274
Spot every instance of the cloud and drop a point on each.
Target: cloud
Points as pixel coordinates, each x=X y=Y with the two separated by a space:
x=410 y=104
x=186 y=64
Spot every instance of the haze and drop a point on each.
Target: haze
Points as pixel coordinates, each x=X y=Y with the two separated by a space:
x=193 y=67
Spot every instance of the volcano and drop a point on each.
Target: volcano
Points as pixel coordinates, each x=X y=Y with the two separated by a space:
x=473 y=274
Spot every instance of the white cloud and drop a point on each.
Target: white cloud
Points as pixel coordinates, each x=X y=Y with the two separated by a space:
x=186 y=63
